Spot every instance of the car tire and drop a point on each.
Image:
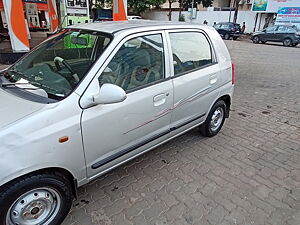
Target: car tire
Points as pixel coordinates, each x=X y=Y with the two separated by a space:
x=294 y=45
x=36 y=199
x=255 y=39
x=214 y=120
x=235 y=38
x=287 y=42
x=227 y=36
x=263 y=42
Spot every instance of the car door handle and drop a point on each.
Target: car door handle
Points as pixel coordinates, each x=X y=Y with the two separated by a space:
x=213 y=78
x=160 y=99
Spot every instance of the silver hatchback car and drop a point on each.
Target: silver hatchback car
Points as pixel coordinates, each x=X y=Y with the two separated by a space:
x=97 y=95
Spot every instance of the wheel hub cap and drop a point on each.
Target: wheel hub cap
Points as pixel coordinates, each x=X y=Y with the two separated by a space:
x=216 y=119
x=35 y=207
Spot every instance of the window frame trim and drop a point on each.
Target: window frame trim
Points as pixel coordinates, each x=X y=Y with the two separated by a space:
x=213 y=52
x=136 y=35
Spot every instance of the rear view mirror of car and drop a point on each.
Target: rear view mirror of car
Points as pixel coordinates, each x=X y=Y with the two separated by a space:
x=79 y=41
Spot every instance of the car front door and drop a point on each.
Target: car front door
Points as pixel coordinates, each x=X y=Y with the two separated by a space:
x=280 y=33
x=195 y=77
x=113 y=133
x=270 y=34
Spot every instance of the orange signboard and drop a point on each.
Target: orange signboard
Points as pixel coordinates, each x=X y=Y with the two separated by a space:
x=16 y=25
x=119 y=12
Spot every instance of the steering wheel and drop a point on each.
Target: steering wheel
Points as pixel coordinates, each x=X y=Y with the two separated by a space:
x=58 y=60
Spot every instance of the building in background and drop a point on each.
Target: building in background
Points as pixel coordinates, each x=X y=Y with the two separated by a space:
x=257 y=14
x=36 y=12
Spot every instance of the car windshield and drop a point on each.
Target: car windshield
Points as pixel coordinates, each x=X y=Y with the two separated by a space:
x=55 y=68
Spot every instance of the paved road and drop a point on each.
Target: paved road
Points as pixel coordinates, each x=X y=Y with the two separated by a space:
x=248 y=174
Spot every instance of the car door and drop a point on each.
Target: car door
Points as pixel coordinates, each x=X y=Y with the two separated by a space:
x=280 y=33
x=195 y=77
x=114 y=133
x=270 y=34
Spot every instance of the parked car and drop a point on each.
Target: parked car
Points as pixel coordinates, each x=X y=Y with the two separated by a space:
x=229 y=30
x=288 y=35
x=97 y=95
x=134 y=18
x=4 y=34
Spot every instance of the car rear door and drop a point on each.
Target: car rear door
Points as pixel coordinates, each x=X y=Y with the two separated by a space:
x=195 y=77
x=113 y=133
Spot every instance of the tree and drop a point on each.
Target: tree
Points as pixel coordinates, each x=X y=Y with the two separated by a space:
x=140 y=6
x=185 y=4
x=170 y=8
x=236 y=4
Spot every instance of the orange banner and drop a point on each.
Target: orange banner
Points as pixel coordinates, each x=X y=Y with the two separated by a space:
x=17 y=26
x=119 y=12
x=53 y=15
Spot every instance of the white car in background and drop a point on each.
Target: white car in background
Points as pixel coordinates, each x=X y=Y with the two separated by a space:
x=97 y=95
x=134 y=18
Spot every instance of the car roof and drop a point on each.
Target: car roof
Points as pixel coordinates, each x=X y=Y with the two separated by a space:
x=228 y=23
x=117 y=26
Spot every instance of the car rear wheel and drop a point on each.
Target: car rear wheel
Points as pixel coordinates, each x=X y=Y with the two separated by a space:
x=227 y=36
x=214 y=120
x=255 y=39
x=36 y=199
x=287 y=42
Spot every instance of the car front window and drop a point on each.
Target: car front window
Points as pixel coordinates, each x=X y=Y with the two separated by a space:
x=56 y=67
x=271 y=29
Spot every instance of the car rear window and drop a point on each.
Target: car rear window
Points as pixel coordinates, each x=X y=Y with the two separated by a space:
x=191 y=51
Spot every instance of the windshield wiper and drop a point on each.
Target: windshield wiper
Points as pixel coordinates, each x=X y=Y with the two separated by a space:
x=16 y=85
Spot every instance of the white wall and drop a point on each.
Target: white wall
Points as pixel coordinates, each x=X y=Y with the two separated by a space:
x=210 y=17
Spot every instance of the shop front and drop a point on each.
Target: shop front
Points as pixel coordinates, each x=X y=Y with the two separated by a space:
x=37 y=14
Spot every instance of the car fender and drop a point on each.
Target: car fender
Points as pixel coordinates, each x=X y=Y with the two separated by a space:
x=33 y=143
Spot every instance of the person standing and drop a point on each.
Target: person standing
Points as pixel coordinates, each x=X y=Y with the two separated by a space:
x=243 y=27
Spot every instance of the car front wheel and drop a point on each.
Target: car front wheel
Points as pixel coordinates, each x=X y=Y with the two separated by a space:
x=287 y=42
x=214 y=120
x=256 y=39
x=36 y=199
x=227 y=36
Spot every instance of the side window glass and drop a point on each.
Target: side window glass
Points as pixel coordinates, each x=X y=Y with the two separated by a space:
x=139 y=62
x=281 y=29
x=290 y=30
x=191 y=50
x=271 y=29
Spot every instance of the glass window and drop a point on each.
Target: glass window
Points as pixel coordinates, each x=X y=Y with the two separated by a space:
x=271 y=29
x=282 y=29
x=290 y=30
x=139 y=62
x=191 y=50
x=60 y=63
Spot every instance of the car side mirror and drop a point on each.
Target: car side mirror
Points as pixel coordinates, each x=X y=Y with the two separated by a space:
x=109 y=94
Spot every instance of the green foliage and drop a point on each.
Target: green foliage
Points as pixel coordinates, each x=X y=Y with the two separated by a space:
x=181 y=18
x=139 y=6
x=188 y=3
